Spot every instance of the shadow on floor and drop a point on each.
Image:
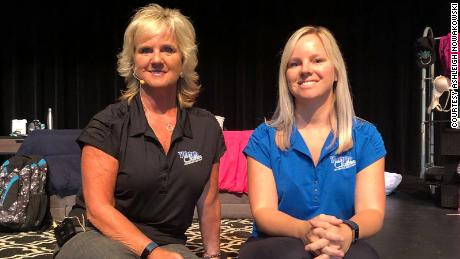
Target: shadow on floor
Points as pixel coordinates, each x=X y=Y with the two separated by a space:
x=416 y=227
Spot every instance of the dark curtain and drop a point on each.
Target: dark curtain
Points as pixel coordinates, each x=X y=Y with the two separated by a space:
x=63 y=55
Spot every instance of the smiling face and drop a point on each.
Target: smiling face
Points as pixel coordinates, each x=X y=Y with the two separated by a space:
x=157 y=58
x=310 y=73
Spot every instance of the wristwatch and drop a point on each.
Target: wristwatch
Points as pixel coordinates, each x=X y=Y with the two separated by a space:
x=354 y=228
x=148 y=250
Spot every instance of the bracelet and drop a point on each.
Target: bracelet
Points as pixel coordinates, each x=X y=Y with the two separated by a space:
x=148 y=250
x=212 y=256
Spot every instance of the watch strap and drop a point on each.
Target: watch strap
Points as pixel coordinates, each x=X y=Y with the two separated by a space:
x=148 y=250
x=354 y=228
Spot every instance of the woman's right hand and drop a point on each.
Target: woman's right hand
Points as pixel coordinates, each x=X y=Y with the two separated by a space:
x=160 y=253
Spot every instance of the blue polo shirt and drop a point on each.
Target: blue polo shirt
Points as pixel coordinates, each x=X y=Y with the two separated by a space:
x=305 y=191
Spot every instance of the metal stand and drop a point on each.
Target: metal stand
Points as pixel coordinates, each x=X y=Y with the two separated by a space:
x=427 y=166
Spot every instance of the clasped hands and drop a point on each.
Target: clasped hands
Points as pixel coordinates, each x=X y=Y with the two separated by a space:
x=327 y=237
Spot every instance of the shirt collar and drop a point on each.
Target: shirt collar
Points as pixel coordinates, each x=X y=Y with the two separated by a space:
x=138 y=122
x=297 y=143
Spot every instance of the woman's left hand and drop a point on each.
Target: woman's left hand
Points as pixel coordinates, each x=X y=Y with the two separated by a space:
x=332 y=242
x=347 y=234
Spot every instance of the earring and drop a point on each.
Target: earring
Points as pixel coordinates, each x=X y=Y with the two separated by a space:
x=135 y=76
x=181 y=75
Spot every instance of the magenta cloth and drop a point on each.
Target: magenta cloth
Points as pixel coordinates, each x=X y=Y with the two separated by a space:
x=444 y=54
x=233 y=166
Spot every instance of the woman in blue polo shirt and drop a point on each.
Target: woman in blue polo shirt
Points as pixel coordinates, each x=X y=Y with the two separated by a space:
x=315 y=171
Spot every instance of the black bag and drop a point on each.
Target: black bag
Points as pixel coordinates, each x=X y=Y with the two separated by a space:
x=425 y=51
x=23 y=199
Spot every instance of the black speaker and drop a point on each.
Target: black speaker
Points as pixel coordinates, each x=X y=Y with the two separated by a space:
x=449 y=196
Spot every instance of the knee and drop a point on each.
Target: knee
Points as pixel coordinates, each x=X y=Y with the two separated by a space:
x=360 y=250
x=92 y=244
x=273 y=248
x=248 y=251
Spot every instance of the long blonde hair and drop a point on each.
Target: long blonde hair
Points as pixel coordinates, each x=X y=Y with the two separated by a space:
x=153 y=15
x=342 y=116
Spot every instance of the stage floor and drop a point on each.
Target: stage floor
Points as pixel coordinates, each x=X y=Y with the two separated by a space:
x=415 y=227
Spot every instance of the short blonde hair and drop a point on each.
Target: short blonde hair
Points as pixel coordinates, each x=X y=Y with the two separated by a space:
x=153 y=15
x=343 y=113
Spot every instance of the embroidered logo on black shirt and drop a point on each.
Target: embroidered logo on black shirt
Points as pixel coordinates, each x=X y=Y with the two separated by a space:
x=190 y=157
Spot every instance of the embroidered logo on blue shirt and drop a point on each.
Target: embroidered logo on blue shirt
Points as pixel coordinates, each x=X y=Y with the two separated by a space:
x=190 y=157
x=342 y=162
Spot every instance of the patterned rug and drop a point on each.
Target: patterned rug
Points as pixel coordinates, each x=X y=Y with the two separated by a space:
x=234 y=233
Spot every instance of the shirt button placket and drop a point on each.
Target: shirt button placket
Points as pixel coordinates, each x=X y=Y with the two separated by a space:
x=316 y=187
x=164 y=178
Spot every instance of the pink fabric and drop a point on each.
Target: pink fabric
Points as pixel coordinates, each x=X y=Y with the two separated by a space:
x=444 y=54
x=233 y=167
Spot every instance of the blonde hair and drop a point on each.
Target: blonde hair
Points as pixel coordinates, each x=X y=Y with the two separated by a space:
x=342 y=116
x=153 y=15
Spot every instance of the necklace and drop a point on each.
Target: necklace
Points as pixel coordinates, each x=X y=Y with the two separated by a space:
x=163 y=118
x=169 y=125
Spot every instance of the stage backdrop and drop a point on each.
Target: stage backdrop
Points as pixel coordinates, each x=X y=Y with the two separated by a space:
x=63 y=55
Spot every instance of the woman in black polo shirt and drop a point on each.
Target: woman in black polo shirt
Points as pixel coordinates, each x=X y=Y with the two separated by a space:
x=150 y=158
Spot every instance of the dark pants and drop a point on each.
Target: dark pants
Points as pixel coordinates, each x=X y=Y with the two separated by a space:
x=293 y=248
x=94 y=245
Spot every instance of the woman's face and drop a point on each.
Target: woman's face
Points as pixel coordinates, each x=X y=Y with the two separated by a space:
x=310 y=73
x=157 y=58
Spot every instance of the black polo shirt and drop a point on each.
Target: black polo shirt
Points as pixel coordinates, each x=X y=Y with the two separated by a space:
x=157 y=192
